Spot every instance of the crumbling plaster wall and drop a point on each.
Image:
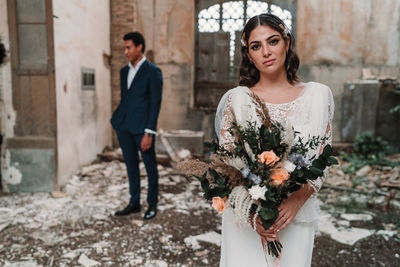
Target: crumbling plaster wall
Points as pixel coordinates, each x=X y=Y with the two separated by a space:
x=337 y=39
x=168 y=27
x=7 y=111
x=81 y=39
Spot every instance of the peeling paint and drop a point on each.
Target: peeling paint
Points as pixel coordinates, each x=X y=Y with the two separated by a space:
x=12 y=175
x=8 y=116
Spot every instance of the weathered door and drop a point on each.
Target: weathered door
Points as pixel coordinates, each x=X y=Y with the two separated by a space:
x=31 y=153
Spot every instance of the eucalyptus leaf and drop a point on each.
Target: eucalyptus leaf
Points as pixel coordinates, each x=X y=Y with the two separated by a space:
x=316 y=171
x=333 y=160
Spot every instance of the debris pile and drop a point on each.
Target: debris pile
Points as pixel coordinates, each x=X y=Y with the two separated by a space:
x=76 y=227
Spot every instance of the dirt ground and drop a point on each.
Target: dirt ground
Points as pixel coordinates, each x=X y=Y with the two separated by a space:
x=79 y=229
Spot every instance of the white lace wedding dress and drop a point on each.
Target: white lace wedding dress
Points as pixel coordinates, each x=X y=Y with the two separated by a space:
x=310 y=114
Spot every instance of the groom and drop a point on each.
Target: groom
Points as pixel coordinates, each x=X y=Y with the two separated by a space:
x=135 y=121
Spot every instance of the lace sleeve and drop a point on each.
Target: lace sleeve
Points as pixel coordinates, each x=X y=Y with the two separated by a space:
x=226 y=138
x=317 y=184
x=233 y=107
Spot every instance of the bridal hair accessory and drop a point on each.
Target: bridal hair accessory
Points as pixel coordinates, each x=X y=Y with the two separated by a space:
x=285 y=29
x=242 y=40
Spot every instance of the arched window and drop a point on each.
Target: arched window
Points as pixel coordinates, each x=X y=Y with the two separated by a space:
x=218 y=31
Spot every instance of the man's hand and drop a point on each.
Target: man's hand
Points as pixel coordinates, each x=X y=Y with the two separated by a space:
x=146 y=142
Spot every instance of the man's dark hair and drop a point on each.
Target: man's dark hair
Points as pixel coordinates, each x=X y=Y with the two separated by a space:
x=137 y=38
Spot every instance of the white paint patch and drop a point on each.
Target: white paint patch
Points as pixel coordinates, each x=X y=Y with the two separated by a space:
x=6 y=218
x=86 y=262
x=69 y=255
x=12 y=176
x=356 y=217
x=100 y=245
x=30 y=263
x=347 y=236
x=210 y=237
x=386 y=233
x=157 y=263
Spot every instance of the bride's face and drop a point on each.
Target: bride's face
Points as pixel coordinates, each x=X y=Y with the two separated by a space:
x=267 y=49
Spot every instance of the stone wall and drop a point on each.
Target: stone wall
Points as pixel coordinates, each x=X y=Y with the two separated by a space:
x=336 y=40
x=6 y=110
x=168 y=28
x=123 y=20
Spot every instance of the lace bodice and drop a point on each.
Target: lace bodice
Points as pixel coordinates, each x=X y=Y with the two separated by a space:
x=310 y=114
x=295 y=113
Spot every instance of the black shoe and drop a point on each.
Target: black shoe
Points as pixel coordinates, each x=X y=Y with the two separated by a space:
x=151 y=212
x=128 y=210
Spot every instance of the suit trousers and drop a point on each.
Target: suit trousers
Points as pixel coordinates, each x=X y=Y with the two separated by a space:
x=130 y=145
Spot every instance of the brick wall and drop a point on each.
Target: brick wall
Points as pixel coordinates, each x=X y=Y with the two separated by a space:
x=122 y=21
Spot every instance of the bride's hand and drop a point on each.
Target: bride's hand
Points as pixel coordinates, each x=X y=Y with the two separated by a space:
x=290 y=206
x=266 y=235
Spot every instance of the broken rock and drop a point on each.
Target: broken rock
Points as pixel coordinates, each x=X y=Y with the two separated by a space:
x=356 y=217
x=364 y=170
x=86 y=262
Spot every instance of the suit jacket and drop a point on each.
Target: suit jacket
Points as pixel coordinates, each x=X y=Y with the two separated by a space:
x=140 y=105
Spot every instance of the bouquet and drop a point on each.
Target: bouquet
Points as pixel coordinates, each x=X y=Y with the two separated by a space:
x=261 y=168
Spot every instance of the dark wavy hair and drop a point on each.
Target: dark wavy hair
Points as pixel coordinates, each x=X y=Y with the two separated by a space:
x=137 y=38
x=249 y=74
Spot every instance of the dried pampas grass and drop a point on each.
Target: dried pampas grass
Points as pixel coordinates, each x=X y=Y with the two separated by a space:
x=262 y=110
x=235 y=176
x=195 y=167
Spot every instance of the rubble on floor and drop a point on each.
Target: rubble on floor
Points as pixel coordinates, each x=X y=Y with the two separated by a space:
x=76 y=227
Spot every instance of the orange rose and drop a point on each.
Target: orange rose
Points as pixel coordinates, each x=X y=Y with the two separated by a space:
x=268 y=157
x=279 y=176
x=219 y=204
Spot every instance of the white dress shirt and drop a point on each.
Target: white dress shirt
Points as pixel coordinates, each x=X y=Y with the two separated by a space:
x=131 y=75
x=133 y=70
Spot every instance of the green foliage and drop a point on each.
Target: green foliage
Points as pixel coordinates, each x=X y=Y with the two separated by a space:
x=250 y=142
x=259 y=139
x=358 y=181
x=301 y=148
x=368 y=150
x=219 y=188
x=370 y=147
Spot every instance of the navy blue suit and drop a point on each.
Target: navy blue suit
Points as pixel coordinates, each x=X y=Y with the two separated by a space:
x=137 y=111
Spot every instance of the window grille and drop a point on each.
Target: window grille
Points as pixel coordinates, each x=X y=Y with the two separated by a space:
x=235 y=15
x=88 y=78
x=221 y=19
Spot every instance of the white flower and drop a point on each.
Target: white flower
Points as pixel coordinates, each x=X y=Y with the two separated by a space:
x=289 y=166
x=237 y=162
x=287 y=134
x=257 y=192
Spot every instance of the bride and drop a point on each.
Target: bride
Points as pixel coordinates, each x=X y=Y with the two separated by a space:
x=268 y=69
